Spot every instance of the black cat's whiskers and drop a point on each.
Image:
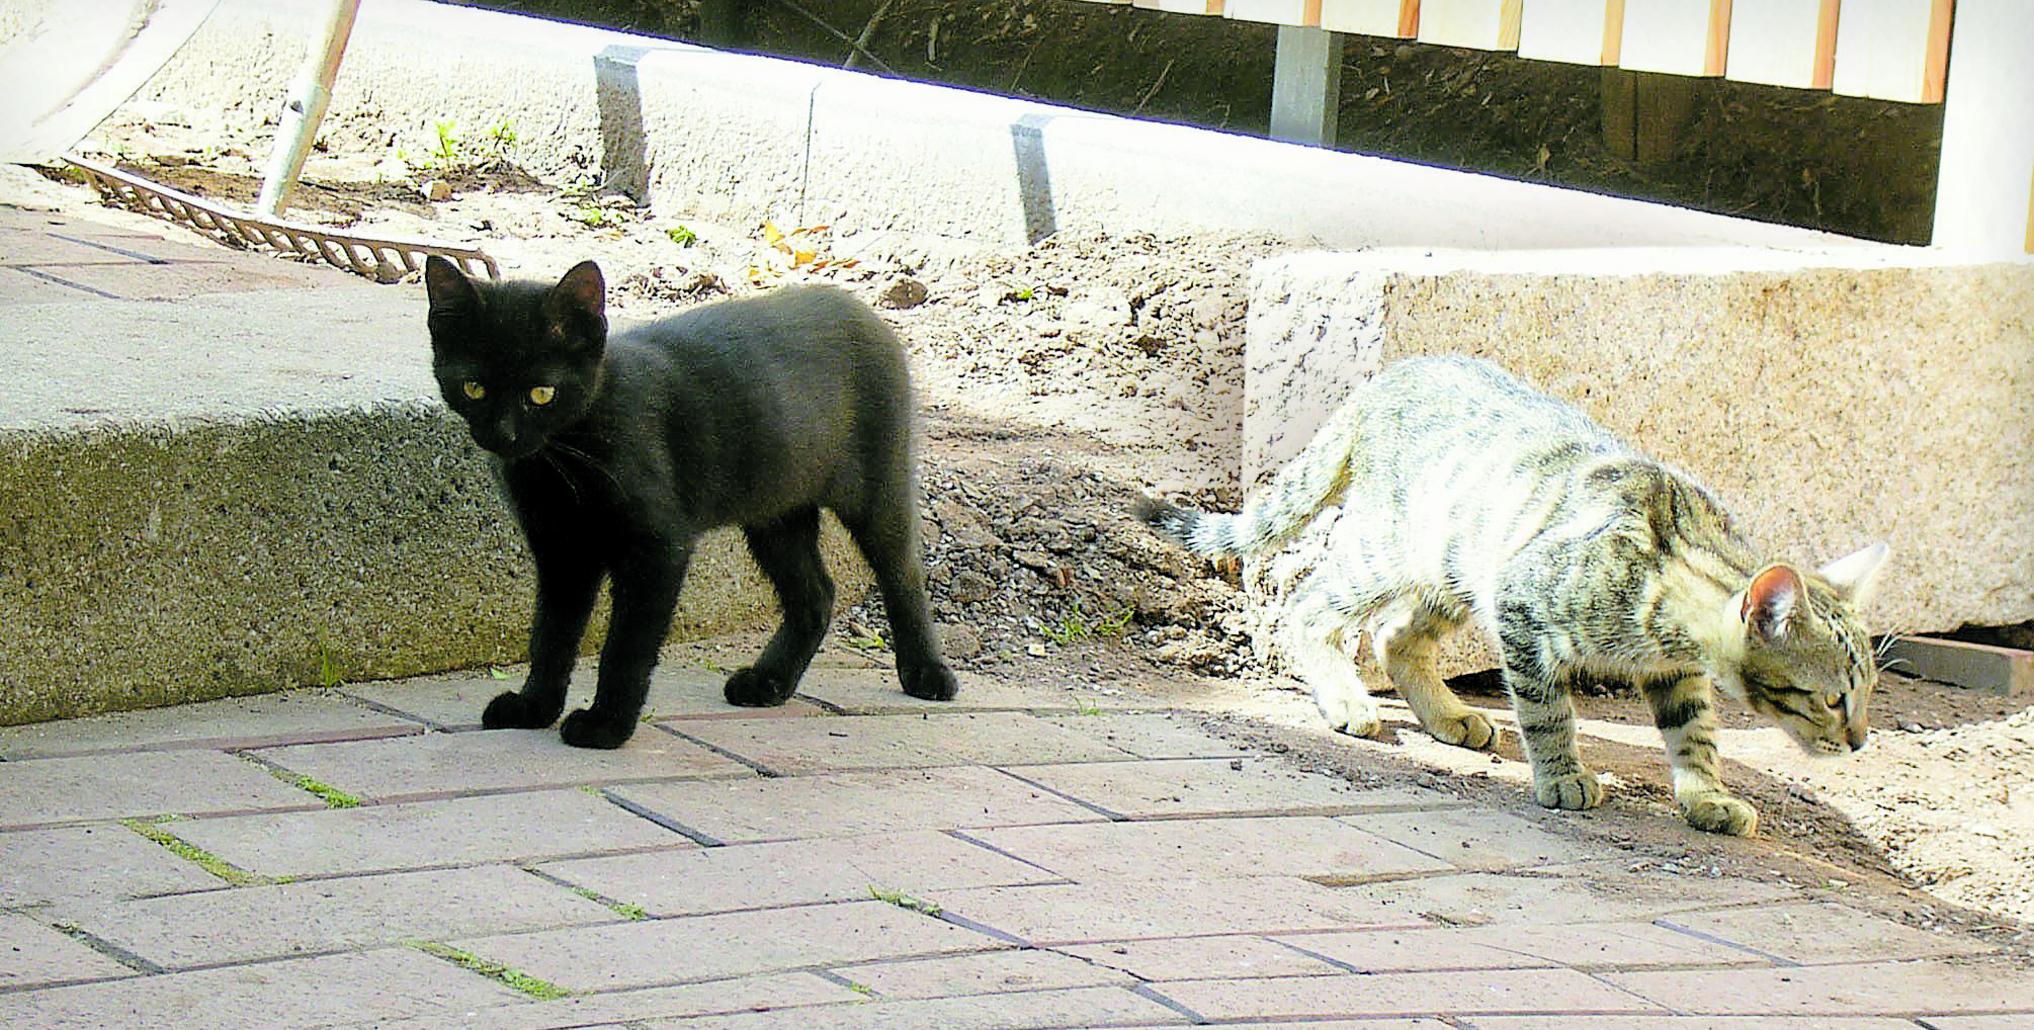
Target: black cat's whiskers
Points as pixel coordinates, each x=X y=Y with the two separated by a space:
x=585 y=459
x=545 y=453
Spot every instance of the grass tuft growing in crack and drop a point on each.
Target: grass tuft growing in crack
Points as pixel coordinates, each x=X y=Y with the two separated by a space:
x=622 y=908
x=905 y=901
x=514 y=979
x=211 y=863
x=332 y=796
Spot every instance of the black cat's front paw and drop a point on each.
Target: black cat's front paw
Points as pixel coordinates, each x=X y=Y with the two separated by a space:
x=933 y=682
x=758 y=688
x=592 y=728
x=510 y=710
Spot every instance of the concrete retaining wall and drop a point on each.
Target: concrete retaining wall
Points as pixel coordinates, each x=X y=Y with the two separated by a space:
x=1831 y=402
x=196 y=501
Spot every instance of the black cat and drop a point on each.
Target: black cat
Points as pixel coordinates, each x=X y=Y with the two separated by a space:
x=617 y=453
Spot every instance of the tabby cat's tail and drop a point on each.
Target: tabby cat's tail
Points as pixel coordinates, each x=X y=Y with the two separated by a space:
x=1308 y=483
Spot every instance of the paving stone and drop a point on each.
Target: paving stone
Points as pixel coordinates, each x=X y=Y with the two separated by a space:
x=217 y=927
x=1153 y=735
x=378 y=986
x=2017 y=1021
x=444 y=763
x=32 y=954
x=105 y=861
x=235 y=722
x=456 y=831
x=1195 y=787
x=1405 y=994
x=49 y=247
x=794 y=747
x=1586 y=946
x=58 y=790
x=1310 y=846
x=772 y=991
x=1707 y=1023
x=175 y=280
x=1043 y=1010
x=794 y=872
x=1123 y=909
x=1811 y=933
x=456 y=700
x=1473 y=899
x=21 y=286
x=1474 y=838
x=669 y=951
x=876 y=692
x=1200 y=958
x=989 y=972
x=850 y=803
x=1872 y=988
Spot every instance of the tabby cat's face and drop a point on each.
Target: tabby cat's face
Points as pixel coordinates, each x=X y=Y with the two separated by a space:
x=519 y=362
x=1807 y=663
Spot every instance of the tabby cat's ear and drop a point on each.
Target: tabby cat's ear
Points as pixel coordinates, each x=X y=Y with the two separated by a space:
x=1854 y=575
x=578 y=304
x=1769 y=602
x=450 y=291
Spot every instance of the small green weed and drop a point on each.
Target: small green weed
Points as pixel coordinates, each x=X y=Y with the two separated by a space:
x=622 y=908
x=904 y=901
x=332 y=796
x=682 y=236
x=1025 y=294
x=189 y=852
x=496 y=672
x=862 y=989
x=329 y=674
x=514 y=979
x=593 y=216
x=1075 y=626
x=872 y=642
x=1086 y=707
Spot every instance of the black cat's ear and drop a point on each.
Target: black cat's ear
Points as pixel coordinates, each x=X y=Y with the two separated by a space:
x=578 y=304
x=450 y=291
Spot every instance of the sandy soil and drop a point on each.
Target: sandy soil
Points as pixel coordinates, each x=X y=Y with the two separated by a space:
x=1059 y=381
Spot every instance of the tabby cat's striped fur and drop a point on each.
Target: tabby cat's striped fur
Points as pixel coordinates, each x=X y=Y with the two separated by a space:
x=1468 y=497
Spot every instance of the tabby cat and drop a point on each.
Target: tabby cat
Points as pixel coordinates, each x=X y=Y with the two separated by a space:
x=617 y=452
x=1468 y=497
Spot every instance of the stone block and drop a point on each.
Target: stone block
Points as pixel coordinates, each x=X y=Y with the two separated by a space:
x=101 y=861
x=1460 y=993
x=1813 y=934
x=240 y=722
x=798 y=872
x=310 y=916
x=451 y=763
x=1303 y=846
x=717 y=947
x=1870 y=988
x=520 y=828
x=991 y=972
x=1052 y=916
x=144 y=783
x=843 y=804
x=33 y=955
x=1474 y=838
x=797 y=747
x=1200 y=958
x=1193 y=788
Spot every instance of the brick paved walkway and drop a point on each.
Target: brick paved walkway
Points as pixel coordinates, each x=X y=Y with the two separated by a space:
x=859 y=860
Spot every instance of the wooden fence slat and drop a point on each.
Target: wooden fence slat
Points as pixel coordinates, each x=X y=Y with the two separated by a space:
x=1575 y=31
x=1784 y=42
x=1679 y=37
x=1893 y=49
x=1280 y=12
x=1483 y=24
x=1399 y=18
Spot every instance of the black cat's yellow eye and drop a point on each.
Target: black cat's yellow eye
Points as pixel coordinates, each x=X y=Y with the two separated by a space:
x=473 y=390
x=541 y=395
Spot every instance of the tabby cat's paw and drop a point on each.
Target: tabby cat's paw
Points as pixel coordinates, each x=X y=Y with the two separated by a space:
x=929 y=682
x=1470 y=729
x=1721 y=813
x=1358 y=718
x=588 y=727
x=510 y=710
x=1576 y=790
x=758 y=688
